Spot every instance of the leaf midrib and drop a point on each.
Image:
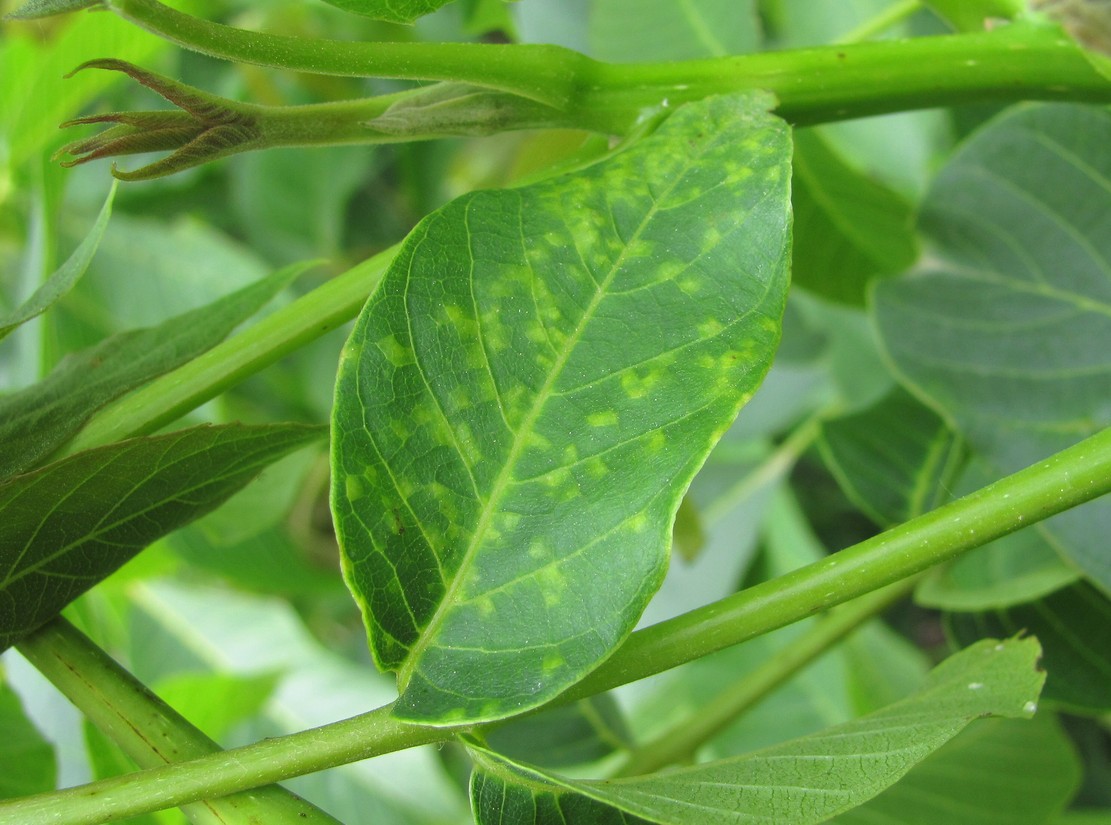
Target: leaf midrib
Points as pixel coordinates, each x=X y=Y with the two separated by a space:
x=502 y=481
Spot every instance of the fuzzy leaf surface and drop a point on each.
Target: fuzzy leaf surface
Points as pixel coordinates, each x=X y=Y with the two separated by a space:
x=1009 y=336
x=70 y=524
x=528 y=394
x=807 y=780
x=36 y=421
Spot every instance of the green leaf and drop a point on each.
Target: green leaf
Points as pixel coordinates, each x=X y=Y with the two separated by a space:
x=64 y=277
x=849 y=228
x=36 y=421
x=28 y=759
x=394 y=11
x=895 y=460
x=497 y=798
x=67 y=526
x=829 y=772
x=575 y=734
x=1074 y=625
x=641 y=30
x=528 y=394
x=688 y=537
x=1020 y=772
x=1009 y=336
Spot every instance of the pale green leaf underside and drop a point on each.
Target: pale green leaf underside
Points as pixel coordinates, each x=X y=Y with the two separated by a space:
x=1011 y=335
x=63 y=279
x=526 y=397
x=808 y=780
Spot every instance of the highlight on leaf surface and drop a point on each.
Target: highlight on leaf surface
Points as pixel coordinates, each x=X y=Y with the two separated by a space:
x=526 y=397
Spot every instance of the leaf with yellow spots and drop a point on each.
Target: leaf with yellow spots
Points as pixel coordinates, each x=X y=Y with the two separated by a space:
x=527 y=396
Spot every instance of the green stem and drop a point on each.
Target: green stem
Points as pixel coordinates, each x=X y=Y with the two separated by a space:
x=681 y=742
x=146 y=728
x=1067 y=479
x=544 y=73
x=1062 y=481
x=176 y=393
x=1022 y=60
x=1018 y=61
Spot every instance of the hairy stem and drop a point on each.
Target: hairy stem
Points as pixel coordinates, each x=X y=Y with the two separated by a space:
x=1066 y=479
x=547 y=74
x=1025 y=59
x=146 y=728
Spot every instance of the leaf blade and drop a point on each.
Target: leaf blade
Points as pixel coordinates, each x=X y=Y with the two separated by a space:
x=63 y=278
x=521 y=424
x=831 y=771
x=41 y=418
x=72 y=523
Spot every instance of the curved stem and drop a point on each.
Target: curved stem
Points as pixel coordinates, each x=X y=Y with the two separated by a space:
x=146 y=728
x=1025 y=59
x=1067 y=479
x=681 y=742
x=544 y=73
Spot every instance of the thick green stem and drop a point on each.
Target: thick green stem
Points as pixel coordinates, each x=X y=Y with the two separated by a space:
x=544 y=73
x=1018 y=61
x=1065 y=480
x=146 y=728
x=1021 y=60
x=1062 y=481
x=176 y=393
x=681 y=742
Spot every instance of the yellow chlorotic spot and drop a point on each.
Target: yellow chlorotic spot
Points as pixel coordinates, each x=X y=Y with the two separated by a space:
x=710 y=327
x=656 y=442
x=394 y=351
x=353 y=487
x=485 y=606
x=553 y=661
x=608 y=418
x=637 y=523
x=639 y=385
x=597 y=468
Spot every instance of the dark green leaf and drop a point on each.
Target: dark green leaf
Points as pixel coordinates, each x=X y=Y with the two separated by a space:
x=849 y=228
x=530 y=391
x=575 y=734
x=642 y=30
x=1017 y=772
x=36 y=421
x=1074 y=626
x=826 y=773
x=1010 y=335
x=68 y=525
x=895 y=460
x=28 y=759
x=688 y=538
x=500 y=800
x=64 y=277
